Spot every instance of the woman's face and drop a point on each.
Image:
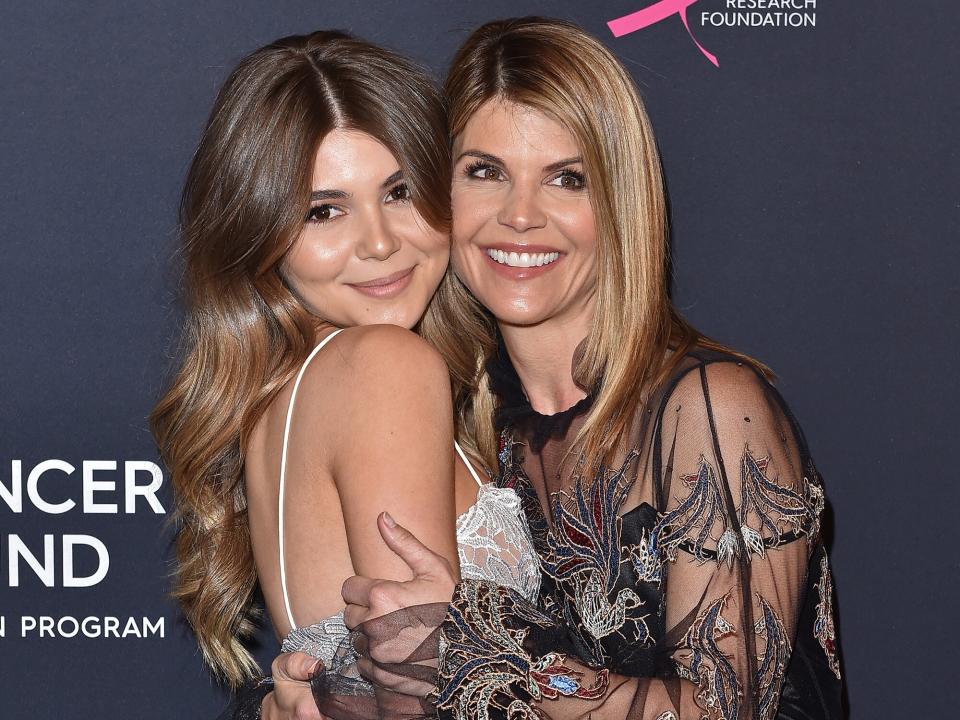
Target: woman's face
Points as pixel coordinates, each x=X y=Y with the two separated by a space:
x=365 y=255
x=523 y=230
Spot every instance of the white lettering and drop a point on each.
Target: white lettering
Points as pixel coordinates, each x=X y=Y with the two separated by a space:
x=131 y=628
x=69 y=579
x=151 y=629
x=65 y=622
x=17 y=549
x=149 y=492
x=110 y=626
x=34 y=494
x=91 y=626
x=14 y=496
x=90 y=486
x=46 y=626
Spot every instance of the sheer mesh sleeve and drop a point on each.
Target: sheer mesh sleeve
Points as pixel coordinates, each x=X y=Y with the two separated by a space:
x=678 y=583
x=690 y=615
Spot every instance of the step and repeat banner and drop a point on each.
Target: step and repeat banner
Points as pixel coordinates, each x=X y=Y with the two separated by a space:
x=811 y=157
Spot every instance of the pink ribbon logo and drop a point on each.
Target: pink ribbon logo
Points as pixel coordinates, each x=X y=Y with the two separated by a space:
x=655 y=13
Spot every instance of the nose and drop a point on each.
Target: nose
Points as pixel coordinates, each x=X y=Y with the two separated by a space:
x=521 y=210
x=378 y=242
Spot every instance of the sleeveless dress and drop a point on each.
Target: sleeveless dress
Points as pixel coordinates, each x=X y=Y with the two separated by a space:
x=493 y=544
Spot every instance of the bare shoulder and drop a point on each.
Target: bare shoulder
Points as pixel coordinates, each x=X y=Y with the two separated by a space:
x=373 y=354
x=379 y=348
x=374 y=373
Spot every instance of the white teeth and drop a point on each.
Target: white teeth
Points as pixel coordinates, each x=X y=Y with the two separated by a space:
x=522 y=260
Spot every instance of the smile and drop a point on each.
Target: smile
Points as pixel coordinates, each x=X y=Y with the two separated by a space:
x=387 y=287
x=522 y=260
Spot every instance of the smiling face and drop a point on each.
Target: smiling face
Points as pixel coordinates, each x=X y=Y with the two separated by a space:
x=523 y=233
x=365 y=254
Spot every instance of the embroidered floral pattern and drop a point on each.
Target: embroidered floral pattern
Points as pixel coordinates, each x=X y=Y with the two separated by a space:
x=690 y=524
x=773 y=662
x=646 y=558
x=705 y=664
x=554 y=678
x=585 y=550
x=782 y=514
x=773 y=505
x=823 y=627
x=601 y=616
x=483 y=663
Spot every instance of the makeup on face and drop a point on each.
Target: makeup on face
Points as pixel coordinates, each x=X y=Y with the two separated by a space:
x=365 y=254
x=523 y=232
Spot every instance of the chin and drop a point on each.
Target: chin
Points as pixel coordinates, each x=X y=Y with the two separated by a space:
x=401 y=318
x=519 y=313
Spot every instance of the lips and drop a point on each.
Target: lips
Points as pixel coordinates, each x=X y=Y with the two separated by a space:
x=387 y=286
x=523 y=259
x=521 y=262
x=385 y=280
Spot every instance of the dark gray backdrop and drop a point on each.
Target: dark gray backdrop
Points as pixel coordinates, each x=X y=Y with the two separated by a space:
x=814 y=189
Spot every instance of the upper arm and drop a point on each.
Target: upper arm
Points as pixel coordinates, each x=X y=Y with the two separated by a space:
x=743 y=506
x=394 y=446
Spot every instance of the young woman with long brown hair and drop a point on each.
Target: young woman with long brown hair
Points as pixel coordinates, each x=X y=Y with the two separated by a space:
x=673 y=502
x=315 y=231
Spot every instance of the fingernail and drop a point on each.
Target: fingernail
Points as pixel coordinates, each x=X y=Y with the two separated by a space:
x=389 y=521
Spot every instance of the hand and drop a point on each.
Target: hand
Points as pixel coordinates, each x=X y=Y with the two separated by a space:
x=292 y=698
x=433 y=579
x=395 y=640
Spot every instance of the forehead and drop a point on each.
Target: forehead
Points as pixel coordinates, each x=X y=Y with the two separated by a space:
x=512 y=130
x=349 y=158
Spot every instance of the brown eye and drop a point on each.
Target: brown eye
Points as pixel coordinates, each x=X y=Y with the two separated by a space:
x=569 y=180
x=484 y=171
x=398 y=193
x=323 y=213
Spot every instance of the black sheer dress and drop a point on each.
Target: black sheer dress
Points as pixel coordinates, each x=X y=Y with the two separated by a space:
x=686 y=580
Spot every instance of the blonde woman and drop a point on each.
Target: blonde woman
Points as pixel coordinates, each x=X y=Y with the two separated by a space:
x=315 y=232
x=673 y=502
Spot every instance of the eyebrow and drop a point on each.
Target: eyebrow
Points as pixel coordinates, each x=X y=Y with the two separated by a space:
x=563 y=163
x=342 y=195
x=328 y=195
x=499 y=161
x=391 y=180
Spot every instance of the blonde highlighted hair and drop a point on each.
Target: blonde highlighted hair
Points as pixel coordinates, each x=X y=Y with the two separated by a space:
x=245 y=333
x=562 y=71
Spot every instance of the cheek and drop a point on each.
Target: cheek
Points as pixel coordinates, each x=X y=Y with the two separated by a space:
x=315 y=260
x=434 y=245
x=471 y=209
x=578 y=227
x=460 y=250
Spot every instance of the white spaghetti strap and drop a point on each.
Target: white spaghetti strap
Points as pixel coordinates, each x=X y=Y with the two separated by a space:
x=283 y=470
x=463 y=456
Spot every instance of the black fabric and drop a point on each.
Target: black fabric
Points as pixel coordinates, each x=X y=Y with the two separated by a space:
x=687 y=579
x=247 y=700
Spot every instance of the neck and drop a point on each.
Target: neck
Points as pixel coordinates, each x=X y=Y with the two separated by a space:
x=542 y=355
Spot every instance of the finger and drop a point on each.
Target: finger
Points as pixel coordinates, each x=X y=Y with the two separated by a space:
x=354 y=615
x=268 y=708
x=295 y=666
x=356 y=590
x=383 y=679
x=419 y=558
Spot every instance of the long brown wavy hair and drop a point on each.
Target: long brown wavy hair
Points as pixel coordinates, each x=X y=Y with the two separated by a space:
x=245 y=333
x=562 y=71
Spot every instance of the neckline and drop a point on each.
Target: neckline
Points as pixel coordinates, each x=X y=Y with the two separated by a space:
x=514 y=409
